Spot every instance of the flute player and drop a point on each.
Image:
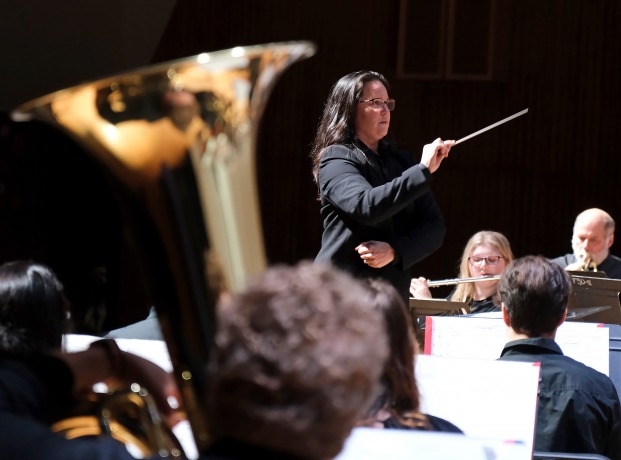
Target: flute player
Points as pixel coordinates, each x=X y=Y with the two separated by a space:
x=486 y=253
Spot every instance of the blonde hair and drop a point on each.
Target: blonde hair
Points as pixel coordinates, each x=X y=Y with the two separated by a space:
x=465 y=291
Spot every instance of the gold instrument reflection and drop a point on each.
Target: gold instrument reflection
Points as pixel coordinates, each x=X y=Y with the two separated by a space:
x=130 y=417
x=587 y=263
x=177 y=141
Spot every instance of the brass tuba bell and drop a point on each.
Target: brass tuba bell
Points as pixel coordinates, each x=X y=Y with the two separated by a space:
x=177 y=141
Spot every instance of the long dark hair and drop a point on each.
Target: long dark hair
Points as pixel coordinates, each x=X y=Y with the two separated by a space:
x=400 y=395
x=337 y=123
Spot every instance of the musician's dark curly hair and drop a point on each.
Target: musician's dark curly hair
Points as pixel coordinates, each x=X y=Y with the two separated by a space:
x=297 y=361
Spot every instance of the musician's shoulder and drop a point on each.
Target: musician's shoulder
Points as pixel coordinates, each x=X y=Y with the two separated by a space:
x=612 y=266
x=564 y=261
x=339 y=151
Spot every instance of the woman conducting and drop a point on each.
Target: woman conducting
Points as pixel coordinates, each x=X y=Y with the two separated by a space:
x=379 y=214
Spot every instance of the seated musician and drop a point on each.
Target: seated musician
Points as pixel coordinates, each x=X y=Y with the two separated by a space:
x=486 y=253
x=593 y=235
x=34 y=311
x=291 y=375
x=398 y=404
x=298 y=359
x=578 y=407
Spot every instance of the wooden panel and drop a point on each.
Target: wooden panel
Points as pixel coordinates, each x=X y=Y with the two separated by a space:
x=422 y=33
x=452 y=39
x=470 y=37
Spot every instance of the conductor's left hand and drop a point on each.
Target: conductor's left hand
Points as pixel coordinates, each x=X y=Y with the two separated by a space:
x=376 y=254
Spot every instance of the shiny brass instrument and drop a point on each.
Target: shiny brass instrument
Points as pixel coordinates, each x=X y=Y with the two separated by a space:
x=587 y=263
x=449 y=282
x=130 y=417
x=177 y=141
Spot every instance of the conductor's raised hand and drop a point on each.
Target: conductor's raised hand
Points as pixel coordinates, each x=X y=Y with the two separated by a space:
x=434 y=153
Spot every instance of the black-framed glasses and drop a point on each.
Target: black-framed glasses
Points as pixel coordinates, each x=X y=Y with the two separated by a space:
x=381 y=103
x=491 y=260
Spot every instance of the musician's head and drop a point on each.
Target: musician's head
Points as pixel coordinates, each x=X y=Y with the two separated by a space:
x=297 y=360
x=345 y=117
x=593 y=233
x=399 y=394
x=34 y=311
x=486 y=253
x=534 y=293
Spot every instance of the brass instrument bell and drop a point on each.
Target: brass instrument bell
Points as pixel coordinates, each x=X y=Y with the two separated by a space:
x=588 y=263
x=177 y=140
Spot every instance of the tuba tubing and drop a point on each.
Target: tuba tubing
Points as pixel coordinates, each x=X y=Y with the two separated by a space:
x=177 y=142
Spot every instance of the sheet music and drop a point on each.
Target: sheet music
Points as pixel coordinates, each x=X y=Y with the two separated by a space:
x=478 y=338
x=374 y=444
x=485 y=337
x=472 y=394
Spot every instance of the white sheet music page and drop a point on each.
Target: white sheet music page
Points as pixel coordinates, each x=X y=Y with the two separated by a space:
x=485 y=336
x=484 y=398
x=378 y=444
x=588 y=343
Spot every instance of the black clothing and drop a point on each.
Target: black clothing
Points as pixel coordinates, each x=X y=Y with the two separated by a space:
x=578 y=407
x=611 y=264
x=437 y=424
x=386 y=197
x=35 y=392
x=477 y=306
x=483 y=306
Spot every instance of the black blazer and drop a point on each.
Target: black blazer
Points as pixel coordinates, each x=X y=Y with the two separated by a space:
x=386 y=197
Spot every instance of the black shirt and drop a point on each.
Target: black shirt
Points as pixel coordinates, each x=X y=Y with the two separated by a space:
x=578 y=407
x=611 y=264
x=483 y=306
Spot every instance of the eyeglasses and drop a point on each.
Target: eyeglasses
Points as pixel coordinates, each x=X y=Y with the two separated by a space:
x=381 y=103
x=491 y=260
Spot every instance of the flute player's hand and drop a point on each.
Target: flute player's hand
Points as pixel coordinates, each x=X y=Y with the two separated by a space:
x=434 y=153
x=419 y=288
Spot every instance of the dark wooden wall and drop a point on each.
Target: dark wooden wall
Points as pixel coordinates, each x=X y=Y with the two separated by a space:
x=528 y=178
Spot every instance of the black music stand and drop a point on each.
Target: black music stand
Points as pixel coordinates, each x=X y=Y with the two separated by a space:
x=589 y=291
x=422 y=307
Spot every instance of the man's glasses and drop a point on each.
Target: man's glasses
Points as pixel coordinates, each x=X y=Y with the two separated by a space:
x=491 y=260
x=381 y=103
